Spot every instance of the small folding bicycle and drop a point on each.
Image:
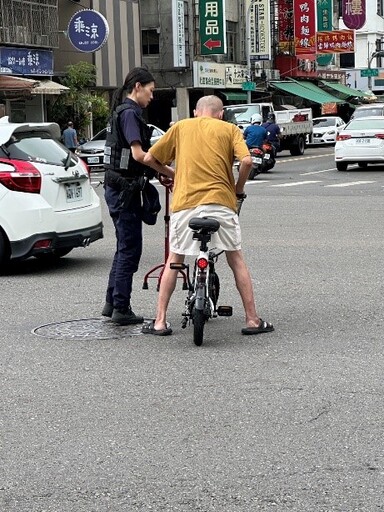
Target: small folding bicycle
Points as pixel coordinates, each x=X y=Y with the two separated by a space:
x=204 y=288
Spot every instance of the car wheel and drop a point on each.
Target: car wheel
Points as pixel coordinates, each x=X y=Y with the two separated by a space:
x=341 y=166
x=54 y=255
x=363 y=165
x=4 y=250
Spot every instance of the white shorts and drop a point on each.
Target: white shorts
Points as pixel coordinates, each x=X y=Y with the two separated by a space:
x=227 y=238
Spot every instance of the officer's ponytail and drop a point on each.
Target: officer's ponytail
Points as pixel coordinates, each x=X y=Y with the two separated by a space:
x=141 y=75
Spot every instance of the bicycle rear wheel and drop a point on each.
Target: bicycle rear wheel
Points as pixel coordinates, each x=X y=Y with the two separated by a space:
x=198 y=326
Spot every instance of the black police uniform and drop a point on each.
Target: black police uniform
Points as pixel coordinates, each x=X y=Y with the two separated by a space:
x=122 y=194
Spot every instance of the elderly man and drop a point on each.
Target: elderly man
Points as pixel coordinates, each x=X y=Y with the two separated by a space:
x=204 y=149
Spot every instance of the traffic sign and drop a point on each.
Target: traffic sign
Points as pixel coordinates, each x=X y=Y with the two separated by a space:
x=248 y=86
x=212 y=27
x=369 y=72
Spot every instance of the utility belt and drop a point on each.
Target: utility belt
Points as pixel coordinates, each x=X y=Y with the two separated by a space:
x=127 y=186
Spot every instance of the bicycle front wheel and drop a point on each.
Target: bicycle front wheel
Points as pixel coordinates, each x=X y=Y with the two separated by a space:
x=198 y=326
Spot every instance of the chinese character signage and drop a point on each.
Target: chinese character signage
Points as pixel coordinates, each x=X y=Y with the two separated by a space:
x=285 y=9
x=336 y=41
x=305 y=27
x=212 y=27
x=324 y=22
x=259 y=32
x=353 y=13
x=214 y=75
x=26 y=61
x=88 y=30
x=179 y=59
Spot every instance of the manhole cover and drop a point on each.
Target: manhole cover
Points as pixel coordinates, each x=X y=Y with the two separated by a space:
x=87 y=328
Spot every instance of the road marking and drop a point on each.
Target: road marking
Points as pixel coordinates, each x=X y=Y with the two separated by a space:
x=295 y=183
x=318 y=172
x=350 y=184
x=301 y=157
x=256 y=182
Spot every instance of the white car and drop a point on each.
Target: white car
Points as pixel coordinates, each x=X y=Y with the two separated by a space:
x=325 y=129
x=92 y=152
x=361 y=142
x=47 y=203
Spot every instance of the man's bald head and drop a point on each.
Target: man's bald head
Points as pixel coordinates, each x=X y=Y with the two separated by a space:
x=209 y=106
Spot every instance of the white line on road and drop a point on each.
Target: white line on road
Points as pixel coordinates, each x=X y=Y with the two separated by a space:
x=350 y=184
x=256 y=182
x=295 y=183
x=317 y=172
x=284 y=160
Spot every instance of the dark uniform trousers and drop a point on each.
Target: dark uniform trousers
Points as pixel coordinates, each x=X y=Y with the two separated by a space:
x=128 y=228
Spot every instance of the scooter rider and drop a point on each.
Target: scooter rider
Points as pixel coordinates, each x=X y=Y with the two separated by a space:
x=255 y=134
x=273 y=131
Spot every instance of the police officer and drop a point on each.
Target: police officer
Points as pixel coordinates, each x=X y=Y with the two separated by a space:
x=128 y=140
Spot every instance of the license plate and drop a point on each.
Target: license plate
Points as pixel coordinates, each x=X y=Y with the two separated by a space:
x=256 y=160
x=363 y=141
x=267 y=156
x=93 y=159
x=74 y=192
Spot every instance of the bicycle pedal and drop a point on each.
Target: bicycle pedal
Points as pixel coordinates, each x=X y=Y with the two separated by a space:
x=224 y=311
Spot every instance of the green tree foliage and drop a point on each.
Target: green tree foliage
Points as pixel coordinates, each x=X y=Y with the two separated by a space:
x=80 y=101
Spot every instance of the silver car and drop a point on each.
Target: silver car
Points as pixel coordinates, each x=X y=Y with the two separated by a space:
x=92 y=152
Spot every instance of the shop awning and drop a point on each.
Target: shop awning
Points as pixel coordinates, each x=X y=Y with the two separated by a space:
x=49 y=87
x=234 y=96
x=16 y=83
x=308 y=91
x=346 y=92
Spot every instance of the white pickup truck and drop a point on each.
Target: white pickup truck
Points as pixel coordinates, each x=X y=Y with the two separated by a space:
x=295 y=124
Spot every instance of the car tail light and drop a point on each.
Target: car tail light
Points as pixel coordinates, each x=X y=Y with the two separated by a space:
x=379 y=135
x=343 y=137
x=21 y=177
x=202 y=263
x=86 y=167
x=256 y=152
x=43 y=244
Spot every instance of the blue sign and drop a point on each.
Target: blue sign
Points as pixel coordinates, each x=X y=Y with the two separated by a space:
x=88 y=30
x=26 y=61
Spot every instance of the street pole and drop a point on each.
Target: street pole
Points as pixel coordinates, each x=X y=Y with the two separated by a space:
x=369 y=70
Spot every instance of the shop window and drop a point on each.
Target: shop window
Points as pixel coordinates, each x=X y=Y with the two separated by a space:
x=150 y=42
x=231 y=42
x=380 y=7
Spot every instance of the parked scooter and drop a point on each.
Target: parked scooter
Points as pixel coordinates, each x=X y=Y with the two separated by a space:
x=269 y=159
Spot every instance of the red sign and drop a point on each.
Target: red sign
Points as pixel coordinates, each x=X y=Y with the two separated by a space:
x=353 y=13
x=305 y=27
x=285 y=9
x=336 y=41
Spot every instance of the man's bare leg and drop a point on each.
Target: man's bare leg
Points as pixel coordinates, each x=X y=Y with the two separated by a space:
x=167 y=286
x=244 y=285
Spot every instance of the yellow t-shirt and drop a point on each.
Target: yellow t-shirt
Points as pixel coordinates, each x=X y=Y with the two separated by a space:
x=204 y=149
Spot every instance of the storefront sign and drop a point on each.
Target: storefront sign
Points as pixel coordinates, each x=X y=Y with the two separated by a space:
x=26 y=61
x=305 y=27
x=336 y=41
x=285 y=9
x=212 y=27
x=212 y=75
x=324 y=22
x=353 y=13
x=179 y=59
x=88 y=30
x=259 y=32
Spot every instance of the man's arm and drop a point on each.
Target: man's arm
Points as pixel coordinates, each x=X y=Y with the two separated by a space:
x=150 y=160
x=245 y=167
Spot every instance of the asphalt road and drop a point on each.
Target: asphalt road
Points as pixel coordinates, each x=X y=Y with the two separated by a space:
x=96 y=418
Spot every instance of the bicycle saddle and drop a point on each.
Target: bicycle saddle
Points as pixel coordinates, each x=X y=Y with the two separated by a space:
x=206 y=223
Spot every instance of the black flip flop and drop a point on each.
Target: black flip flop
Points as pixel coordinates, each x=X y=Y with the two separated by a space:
x=263 y=327
x=150 y=329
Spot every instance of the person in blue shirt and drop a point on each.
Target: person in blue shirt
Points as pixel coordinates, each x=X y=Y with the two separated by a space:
x=273 y=131
x=255 y=134
x=70 y=137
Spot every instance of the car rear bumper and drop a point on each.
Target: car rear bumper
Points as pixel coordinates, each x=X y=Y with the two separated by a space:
x=25 y=248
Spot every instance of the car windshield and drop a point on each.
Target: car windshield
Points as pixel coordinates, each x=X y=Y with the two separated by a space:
x=366 y=124
x=36 y=147
x=101 y=135
x=326 y=121
x=365 y=112
x=238 y=115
